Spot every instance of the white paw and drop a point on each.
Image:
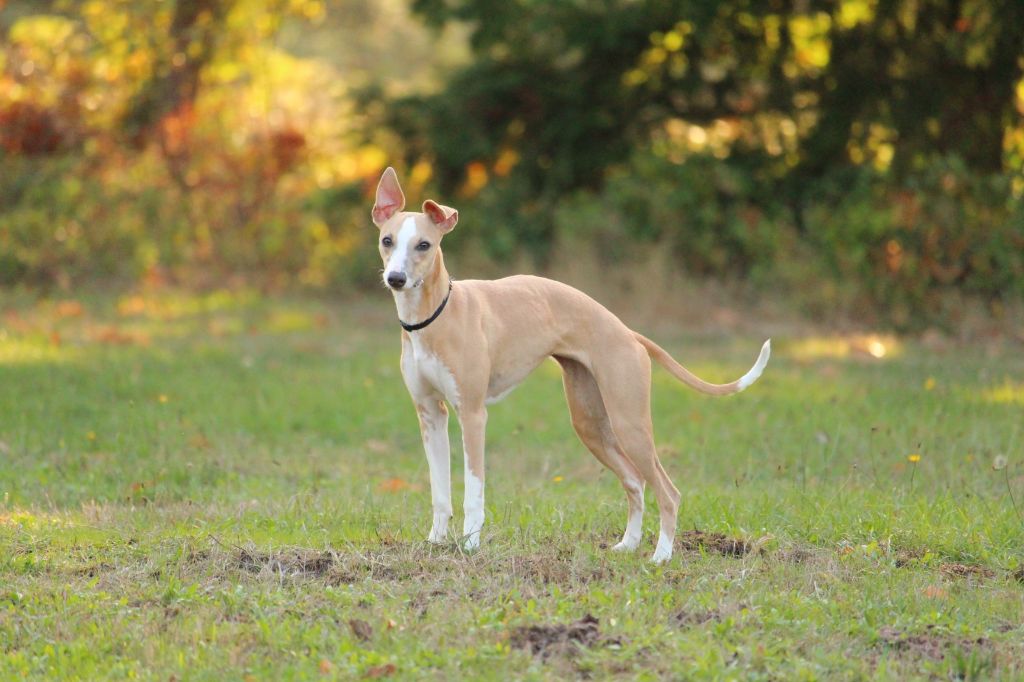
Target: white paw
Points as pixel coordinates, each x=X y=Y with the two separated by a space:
x=663 y=552
x=626 y=545
x=471 y=528
x=439 y=529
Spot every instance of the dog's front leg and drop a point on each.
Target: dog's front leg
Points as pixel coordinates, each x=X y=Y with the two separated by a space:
x=474 y=423
x=434 y=428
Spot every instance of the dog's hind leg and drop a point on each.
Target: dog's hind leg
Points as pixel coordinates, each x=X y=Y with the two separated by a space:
x=590 y=420
x=624 y=379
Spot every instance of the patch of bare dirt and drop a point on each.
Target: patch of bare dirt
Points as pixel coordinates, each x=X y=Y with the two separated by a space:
x=688 y=618
x=292 y=563
x=562 y=639
x=553 y=570
x=361 y=629
x=377 y=671
x=543 y=569
x=698 y=540
x=907 y=556
x=795 y=555
x=954 y=570
x=421 y=601
x=333 y=567
x=93 y=570
x=928 y=644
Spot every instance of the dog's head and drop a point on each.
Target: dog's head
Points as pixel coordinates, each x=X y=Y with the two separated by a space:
x=408 y=241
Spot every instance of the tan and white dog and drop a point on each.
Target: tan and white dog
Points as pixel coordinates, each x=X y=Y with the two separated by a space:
x=471 y=342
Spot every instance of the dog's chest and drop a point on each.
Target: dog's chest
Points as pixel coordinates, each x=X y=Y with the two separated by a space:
x=431 y=370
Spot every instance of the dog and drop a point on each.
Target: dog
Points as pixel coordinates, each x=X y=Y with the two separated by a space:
x=470 y=342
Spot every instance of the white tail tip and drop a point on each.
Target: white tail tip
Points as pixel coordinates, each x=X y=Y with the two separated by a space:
x=755 y=371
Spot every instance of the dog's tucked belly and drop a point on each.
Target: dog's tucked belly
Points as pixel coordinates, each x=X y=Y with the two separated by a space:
x=503 y=383
x=510 y=368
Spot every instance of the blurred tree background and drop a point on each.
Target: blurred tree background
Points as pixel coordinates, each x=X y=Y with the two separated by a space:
x=862 y=155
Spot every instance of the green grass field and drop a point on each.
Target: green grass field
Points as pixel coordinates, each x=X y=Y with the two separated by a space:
x=221 y=487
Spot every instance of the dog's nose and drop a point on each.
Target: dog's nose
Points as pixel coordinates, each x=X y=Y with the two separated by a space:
x=396 y=279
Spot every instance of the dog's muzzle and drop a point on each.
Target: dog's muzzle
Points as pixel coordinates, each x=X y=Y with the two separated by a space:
x=396 y=280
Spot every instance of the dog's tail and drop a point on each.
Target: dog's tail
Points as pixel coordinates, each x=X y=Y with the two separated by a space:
x=693 y=381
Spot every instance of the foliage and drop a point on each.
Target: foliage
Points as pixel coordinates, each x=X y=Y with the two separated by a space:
x=747 y=135
x=176 y=140
x=792 y=144
x=895 y=251
x=945 y=229
x=706 y=210
x=571 y=88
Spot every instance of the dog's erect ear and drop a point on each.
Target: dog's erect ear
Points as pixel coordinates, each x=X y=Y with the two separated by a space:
x=390 y=199
x=444 y=217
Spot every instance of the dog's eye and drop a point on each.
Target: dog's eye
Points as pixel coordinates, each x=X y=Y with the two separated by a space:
x=386 y=242
x=423 y=246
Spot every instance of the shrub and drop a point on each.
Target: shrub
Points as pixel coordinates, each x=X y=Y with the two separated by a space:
x=708 y=211
x=858 y=243
x=902 y=250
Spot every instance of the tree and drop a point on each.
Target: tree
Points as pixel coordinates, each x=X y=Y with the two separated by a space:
x=567 y=89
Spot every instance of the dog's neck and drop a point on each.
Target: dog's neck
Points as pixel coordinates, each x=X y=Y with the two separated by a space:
x=418 y=303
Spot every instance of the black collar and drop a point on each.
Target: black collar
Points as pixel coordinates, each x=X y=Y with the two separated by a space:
x=424 y=323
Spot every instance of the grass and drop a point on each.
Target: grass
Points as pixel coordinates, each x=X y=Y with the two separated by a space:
x=222 y=487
